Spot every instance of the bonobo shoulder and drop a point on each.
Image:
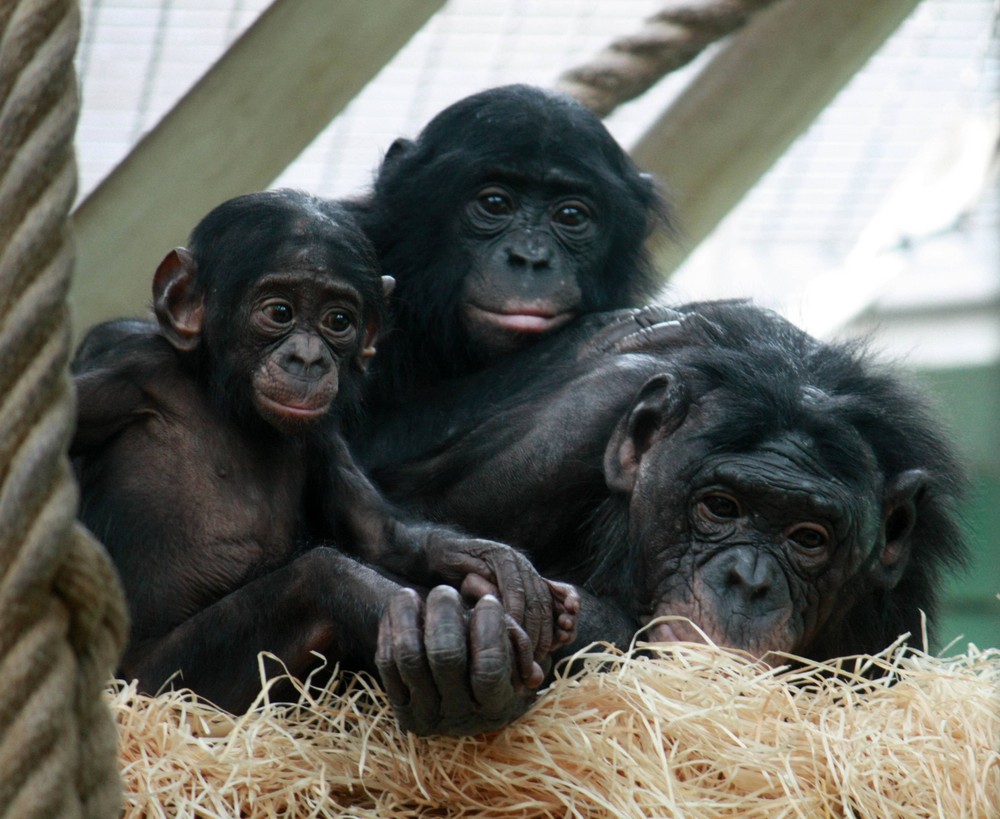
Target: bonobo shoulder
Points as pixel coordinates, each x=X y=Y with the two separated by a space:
x=136 y=371
x=131 y=356
x=107 y=336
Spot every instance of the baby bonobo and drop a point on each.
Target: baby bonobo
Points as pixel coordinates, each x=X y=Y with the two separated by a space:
x=211 y=466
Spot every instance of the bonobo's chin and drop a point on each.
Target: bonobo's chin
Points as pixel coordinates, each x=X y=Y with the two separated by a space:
x=291 y=418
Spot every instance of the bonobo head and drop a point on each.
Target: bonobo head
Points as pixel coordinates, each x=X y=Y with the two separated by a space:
x=783 y=494
x=512 y=212
x=275 y=301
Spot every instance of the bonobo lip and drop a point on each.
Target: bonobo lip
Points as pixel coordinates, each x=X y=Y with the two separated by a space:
x=522 y=319
x=674 y=630
x=299 y=411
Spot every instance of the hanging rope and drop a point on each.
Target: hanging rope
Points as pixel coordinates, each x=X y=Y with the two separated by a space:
x=62 y=619
x=669 y=39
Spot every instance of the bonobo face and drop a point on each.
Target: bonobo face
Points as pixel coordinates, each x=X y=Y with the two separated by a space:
x=302 y=327
x=767 y=543
x=513 y=211
x=762 y=547
x=528 y=248
x=274 y=333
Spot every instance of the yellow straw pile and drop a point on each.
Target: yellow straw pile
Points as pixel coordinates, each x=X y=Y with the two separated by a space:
x=699 y=732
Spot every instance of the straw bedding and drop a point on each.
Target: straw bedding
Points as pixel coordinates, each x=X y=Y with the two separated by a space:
x=701 y=732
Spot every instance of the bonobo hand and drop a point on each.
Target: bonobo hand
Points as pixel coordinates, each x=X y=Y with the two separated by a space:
x=449 y=669
x=649 y=328
x=546 y=611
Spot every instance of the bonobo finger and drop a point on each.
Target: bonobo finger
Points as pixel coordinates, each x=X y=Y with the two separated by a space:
x=531 y=672
x=621 y=335
x=491 y=663
x=656 y=337
x=446 y=646
x=475 y=587
x=566 y=602
x=402 y=664
x=389 y=627
x=689 y=329
x=532 y=608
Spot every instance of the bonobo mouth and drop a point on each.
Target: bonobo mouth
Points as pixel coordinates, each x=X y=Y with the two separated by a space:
x=292 y=409
x=521 y=319
x=673 y=630
x=758 y=639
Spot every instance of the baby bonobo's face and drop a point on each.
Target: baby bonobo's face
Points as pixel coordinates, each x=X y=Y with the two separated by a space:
x=303 y=326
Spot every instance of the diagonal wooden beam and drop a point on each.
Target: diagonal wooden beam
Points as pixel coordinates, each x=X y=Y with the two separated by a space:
x=251 y=114
x=751 y=100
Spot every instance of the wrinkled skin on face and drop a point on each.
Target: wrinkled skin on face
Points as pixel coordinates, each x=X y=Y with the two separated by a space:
x=761 y=549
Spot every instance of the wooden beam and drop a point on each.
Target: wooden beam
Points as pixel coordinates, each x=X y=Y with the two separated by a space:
x=251 y=114
x=751 y=101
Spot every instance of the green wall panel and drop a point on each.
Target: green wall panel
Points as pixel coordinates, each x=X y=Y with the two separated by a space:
x=969 y=400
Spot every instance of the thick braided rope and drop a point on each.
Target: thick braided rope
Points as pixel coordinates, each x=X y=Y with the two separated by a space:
x=669 y=39
x=62 y=618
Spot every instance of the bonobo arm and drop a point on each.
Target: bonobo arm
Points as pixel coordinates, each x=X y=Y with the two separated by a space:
x=106 y=336
x=111 y=391
x=528 y=474
x=323 y=601
x=428 y=554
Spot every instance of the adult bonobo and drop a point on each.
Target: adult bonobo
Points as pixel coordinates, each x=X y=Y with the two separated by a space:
x=211 y=467
x=784 y=494
x=512 y=213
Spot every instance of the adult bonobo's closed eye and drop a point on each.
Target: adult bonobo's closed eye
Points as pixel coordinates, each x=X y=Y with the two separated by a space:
x=513 y=212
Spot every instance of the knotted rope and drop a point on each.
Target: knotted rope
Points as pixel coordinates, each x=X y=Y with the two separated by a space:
x=669 y=39
x=62 y=620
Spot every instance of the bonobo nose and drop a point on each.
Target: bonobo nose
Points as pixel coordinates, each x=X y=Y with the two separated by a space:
x=529 y=248
x=747 y=577
x=306 y=358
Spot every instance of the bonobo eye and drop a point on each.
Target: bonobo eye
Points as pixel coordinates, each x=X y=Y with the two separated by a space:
x=571 y=214
x=718 y=506
x=338 y=322
x=277 y=313
x=495 y=201
x=809 y=536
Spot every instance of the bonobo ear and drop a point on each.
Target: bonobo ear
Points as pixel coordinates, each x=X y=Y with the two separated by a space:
x=399 y=148
x=179 y=312
x=657 y=411
x=372 y=329
x=388 y=285
x=899 y=517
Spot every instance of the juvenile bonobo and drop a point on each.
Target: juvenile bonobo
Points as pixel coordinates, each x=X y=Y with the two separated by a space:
x=511 y=214
x=784 y=494
x=211 y=468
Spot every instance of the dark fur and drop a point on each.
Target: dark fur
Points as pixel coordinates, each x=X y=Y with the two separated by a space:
x=211 y=466
x=522 y=135
x=870 y=426
x=763 y=364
